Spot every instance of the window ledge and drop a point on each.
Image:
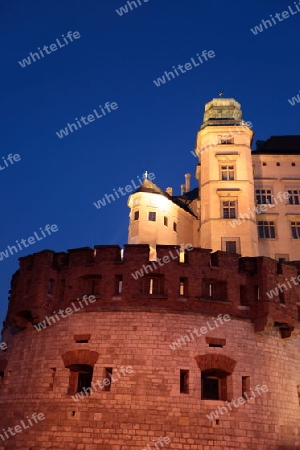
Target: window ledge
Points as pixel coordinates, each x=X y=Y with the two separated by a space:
x=149 y=296
x=243 y=307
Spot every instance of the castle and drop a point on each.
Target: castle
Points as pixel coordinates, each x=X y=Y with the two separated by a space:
x=246 y=202
x=165 y=345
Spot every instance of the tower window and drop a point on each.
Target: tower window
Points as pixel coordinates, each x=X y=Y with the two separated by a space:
x=293 y=164
x=152 y=216
x=175 y=227
x=152 y=285
x=227 y=172
x=278 y=164
x=80 y=378
x=229 y=209
x=214 y=385
x=294 y=196
x=136 y=215
x=263 y=196
x=264 y=163
x=266 y=229
x=215 y=290
x=230 y=246
x=165 y=221
x=108 y=371
x=184 y=381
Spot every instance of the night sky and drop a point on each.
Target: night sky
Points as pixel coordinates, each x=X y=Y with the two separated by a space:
x=115 y=59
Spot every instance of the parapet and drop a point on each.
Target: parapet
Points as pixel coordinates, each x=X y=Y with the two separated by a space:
x=258 y=289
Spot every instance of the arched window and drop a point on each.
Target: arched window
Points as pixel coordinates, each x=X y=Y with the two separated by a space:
x=216 y=379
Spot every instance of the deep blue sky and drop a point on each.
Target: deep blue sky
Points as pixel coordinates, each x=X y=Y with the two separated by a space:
x=154 y=129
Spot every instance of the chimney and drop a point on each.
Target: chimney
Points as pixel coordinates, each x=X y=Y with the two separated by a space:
x=187 y=182
x=169 y=191
x=183 y=189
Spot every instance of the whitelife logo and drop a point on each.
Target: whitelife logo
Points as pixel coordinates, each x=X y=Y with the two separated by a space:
x=53 y=47
x=90 y=118
x=31 y=240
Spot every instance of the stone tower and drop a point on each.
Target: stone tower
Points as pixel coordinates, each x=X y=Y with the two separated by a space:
x=226 y=184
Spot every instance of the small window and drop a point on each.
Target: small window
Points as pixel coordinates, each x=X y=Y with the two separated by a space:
x=82 y=338
x=293 y=164
x=278 y=164
x=227 y=172
x=108 y=371
x=231 y=246
x=50 y=286
x=175 y=227
x=151 y=285
x=245 y=386
x=165 y=221
x=264 y=163
x=266 y=229
x=215 y=342
x=152 y=216
x=182 y=286
x=118 y=285
x=80 y=378
x=184 y=381
x=281 y=297
x=214 y=385
x=1 y=378
x=229 y=209
x=295 y=229
x=294 y=196
x=136 y=215
x=263 y=196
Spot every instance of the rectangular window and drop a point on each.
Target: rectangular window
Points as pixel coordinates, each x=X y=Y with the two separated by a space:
x=266 y=229
x=175 y=226
x=244 y=301
x=118 y=284
x=245 y=386
x=229 y=209
x=182 y=286
x=136 y=215
x=263 y=196
x=184 y=381
x=165 y=221
x=50 y=286
x=231 y=246
x=107 y=378
x=227 y=172
x=215 y=290
x=151 y=285
x=152 y=216
x=294 y=197
x=295 y=228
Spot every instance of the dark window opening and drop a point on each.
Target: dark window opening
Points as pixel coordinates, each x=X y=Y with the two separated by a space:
x=216 y=345
x=214 y=385
x=108 y=371
x=80 y=378
x=165 y=221
x=152 y=216
x=50 y=286
x=231 y=246
x=175 y=227
x=278 y=164
x=184 y=381
x=245 y=386
x=1 y=378
x=293 y=164
x=264 y=163
x=281 y=297
x=215 y=342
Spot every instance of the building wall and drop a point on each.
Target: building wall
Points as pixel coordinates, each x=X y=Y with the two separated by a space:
x=279 y=179
x=147 y=403
x=260 y=340
x=144 y=231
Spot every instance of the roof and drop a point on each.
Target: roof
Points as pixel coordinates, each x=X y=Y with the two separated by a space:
x=182 y=201
x=278 y=145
